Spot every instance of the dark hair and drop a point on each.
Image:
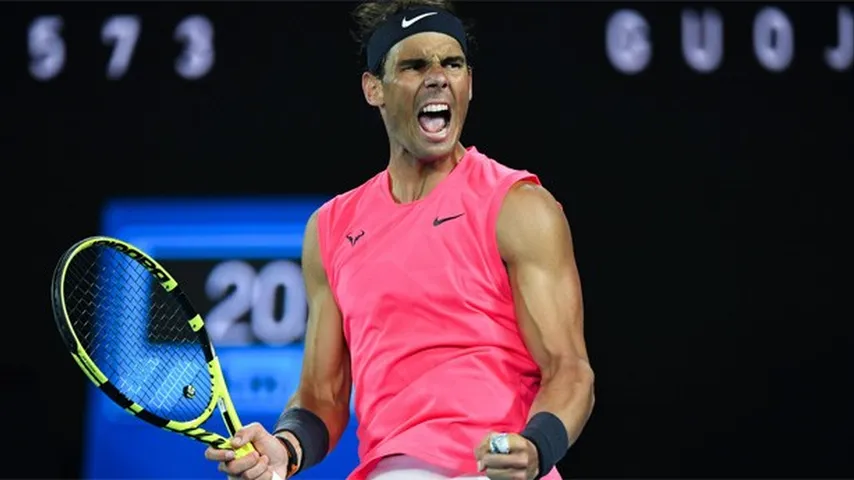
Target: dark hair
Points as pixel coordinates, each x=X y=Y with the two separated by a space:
x=371 y=14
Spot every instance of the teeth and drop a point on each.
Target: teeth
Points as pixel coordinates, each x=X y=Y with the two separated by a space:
x=436 y=107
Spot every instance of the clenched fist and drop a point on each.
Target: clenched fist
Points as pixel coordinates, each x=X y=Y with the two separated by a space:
x=521 y=461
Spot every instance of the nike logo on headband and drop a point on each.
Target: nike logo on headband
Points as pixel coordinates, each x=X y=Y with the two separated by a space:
x=408 y=23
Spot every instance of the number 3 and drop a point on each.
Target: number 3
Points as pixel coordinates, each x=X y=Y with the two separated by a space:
x=196 y=34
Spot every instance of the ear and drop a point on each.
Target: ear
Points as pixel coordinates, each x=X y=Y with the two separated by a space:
x=373 y=89
x=471 y=85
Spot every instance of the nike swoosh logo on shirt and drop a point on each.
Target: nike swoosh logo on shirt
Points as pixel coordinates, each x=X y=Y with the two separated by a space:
x=408 y=23
x=438 y=221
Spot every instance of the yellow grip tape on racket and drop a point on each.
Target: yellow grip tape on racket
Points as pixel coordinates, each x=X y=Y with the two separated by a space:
x=246 y=450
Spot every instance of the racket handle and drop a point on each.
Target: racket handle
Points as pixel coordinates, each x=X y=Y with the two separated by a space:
x=245 y=450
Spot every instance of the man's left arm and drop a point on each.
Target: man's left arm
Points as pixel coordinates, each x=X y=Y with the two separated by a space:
x=535 y=242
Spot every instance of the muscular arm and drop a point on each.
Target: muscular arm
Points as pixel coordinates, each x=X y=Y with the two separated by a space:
x=325 y=381
x=535 y=242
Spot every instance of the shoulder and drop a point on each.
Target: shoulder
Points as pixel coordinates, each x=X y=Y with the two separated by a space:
x=333 y=217
x=529 y=204
x=490 y=170
x=491 y=179
x=354 y=193
x=530 y=217
x=343 y=204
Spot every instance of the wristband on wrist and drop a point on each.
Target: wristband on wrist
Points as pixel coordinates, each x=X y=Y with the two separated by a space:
x=293 y=461
x=548 y=434
x=310 y=432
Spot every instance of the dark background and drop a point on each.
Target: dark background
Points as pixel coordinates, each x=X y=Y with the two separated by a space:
x=707 y=209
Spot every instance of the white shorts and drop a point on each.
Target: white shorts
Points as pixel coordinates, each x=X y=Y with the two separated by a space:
x=402 y=467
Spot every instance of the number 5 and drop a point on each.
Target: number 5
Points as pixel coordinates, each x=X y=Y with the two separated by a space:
x=197 y=58
x=122 y=32
x=46 y=47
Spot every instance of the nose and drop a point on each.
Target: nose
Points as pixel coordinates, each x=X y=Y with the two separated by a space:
x=435 y=77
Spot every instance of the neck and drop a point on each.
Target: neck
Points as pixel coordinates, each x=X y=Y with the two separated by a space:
x=413 y=179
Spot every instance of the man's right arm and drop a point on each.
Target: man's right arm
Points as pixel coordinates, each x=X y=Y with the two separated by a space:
x=325 y=382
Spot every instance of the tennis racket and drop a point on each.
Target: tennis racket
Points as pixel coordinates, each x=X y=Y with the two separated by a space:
x=136 y=336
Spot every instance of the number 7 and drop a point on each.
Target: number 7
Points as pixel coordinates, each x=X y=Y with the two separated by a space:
x=122 y=31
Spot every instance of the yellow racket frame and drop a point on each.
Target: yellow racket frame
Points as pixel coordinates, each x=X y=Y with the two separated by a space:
x=219 y=391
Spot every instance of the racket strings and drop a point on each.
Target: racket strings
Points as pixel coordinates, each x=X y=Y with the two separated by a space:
x=137 y=334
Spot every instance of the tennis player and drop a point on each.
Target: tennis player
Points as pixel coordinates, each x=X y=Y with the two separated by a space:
x=444 y=289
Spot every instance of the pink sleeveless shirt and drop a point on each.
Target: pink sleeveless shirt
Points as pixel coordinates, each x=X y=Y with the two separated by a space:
x=436 y=354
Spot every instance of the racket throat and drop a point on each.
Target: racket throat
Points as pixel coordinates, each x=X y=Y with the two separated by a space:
x=230 y=424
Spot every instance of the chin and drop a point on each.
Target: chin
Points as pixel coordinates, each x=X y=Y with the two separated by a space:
x=430 y=147
x=429 y=153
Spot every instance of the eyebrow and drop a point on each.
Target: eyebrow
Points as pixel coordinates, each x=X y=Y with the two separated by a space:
x=418 y=62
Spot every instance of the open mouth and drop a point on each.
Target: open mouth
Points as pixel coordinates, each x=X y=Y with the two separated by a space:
x=435 y=117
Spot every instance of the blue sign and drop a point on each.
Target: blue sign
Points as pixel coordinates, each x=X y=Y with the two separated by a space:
x=208 y=245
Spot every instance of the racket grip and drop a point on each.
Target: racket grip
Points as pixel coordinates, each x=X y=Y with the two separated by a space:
x=245 y=450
